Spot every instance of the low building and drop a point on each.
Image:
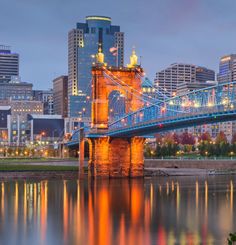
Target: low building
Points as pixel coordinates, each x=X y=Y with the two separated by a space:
x=15 y=90
x=21 y=108
x=46 y=128
x=184 y=87
x=5 y=118
x=19 y=128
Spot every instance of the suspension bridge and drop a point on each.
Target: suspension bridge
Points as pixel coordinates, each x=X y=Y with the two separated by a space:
x=116 y=143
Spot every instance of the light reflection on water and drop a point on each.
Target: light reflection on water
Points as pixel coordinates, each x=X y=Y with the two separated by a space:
x=161 y=211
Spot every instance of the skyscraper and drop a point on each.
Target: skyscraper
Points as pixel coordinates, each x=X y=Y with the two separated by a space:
x=227 y=68
x=60 y=95
x=227 y=73
x=9 y=64
x=83 y=44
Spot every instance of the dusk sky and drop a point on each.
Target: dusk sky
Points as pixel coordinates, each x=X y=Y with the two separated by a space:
x=163 y=32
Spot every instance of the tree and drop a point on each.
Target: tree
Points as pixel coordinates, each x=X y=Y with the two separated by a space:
x=147 y=151
x=205 y=137
x=168 y=139
x=221 y=138
x=187 y=139
x=176 y=138
x=158 y=138
x=233 y=139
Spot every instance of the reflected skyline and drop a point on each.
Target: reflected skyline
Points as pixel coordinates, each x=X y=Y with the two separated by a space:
x=151 y=211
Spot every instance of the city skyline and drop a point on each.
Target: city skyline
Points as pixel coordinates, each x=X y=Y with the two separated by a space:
x=187 y=31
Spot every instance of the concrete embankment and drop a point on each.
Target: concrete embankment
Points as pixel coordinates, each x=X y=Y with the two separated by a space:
x=184 y=167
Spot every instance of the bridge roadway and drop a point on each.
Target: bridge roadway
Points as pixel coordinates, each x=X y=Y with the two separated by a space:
x=170 y=123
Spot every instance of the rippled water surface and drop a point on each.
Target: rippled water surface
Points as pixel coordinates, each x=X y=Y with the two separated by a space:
x=162 y=211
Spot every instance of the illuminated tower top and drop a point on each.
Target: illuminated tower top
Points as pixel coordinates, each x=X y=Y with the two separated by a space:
x=133 y=60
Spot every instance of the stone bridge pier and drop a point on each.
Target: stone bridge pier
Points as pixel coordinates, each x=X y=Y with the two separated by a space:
x=116 y=157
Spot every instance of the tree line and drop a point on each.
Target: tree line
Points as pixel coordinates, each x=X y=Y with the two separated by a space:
x=173 y=144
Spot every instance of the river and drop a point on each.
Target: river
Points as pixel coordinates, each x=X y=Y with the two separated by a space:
x=165 y=211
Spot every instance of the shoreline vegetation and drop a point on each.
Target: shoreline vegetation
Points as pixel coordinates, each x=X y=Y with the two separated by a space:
x=33 y=159
x=35 y=168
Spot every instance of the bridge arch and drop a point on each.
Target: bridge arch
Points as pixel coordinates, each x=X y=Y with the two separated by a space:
x=116 y=105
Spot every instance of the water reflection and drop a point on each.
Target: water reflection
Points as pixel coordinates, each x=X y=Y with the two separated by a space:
x=155 y=211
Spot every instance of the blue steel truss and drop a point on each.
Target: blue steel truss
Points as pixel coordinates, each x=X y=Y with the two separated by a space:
x=213 y=104
x=208 y=105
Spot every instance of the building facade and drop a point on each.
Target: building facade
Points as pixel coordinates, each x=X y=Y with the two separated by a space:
x=227 y=69
x=182 y=75
x=204 y=74
x=83 y=44
x=45 y=96
x=15 y=90
x=9 y=64
x=18 y=127
x=5 y=117
x=46 y=127
x=184 y=88
x=168 y=79
x=227 y=73
x=60 y=96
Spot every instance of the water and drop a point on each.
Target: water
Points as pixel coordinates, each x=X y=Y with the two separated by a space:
x=161 y=211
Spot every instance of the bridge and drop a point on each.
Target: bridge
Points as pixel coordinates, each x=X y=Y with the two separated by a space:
x=116 y=144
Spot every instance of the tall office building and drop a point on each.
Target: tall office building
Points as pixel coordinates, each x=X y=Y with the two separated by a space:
x=227 y=73
x=83 y=44
x=60 y=95
x=180 y=75
x=227 y=69
x=9 y=64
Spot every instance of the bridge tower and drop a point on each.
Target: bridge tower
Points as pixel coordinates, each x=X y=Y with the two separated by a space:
x=110 y=156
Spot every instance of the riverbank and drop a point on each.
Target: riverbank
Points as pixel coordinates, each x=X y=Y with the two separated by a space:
x=189 y=167
x=208 y=164
x=68 y=168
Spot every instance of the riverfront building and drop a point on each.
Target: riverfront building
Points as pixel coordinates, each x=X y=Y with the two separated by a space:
x=83 y=44
x=9 y=64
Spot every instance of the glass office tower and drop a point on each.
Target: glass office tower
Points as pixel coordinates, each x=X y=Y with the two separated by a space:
x=9 y=64
x=83 y=44
x=227 y=69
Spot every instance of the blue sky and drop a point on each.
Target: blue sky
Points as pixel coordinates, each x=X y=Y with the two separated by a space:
x=163 y=32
